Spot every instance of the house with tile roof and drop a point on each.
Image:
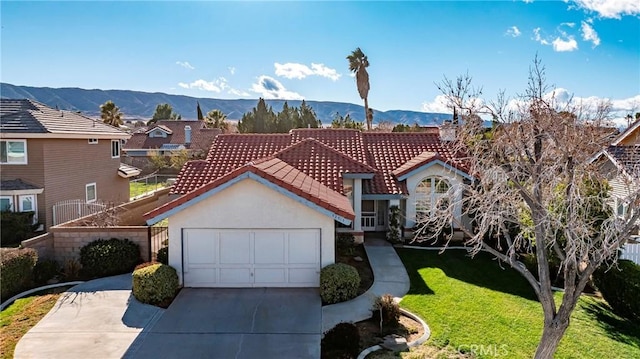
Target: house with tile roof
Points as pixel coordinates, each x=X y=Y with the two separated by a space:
x=263 y=209
x=48 y=156
x=166 y=137
x=621 y=163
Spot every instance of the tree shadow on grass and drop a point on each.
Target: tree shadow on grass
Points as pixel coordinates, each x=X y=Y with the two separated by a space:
x=482 y=270
x=617 y=328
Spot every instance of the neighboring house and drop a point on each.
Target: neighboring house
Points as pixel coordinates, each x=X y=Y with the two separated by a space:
x=262 y=209
x=167 y=137
x=48 y=156
x=621 y=163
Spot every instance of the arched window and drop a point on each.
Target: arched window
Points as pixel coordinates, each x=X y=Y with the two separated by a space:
x=429 y=192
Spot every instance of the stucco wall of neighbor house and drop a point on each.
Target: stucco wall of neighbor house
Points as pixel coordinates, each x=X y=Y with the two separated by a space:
x=436 y=170
x=43 y=244
x=72 y=164
x=32 y=172
x=67 y=241
x=249 y=204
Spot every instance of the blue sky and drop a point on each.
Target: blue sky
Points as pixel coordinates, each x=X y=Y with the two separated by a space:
x=293 y=50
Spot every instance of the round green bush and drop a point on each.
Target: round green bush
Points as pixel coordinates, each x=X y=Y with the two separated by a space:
x=45 y=270
x=155 y=284
x=163 y=255
x=620 y=287
x=103 y=258
x=339 y=282
x=342 y=341
x=16 y=270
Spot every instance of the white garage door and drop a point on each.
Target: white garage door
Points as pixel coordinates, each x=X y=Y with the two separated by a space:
x=251 y=257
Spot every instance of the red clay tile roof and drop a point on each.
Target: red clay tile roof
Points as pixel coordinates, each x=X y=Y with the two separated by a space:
x=279 y=173
x=388 y=151
x=201 y=137
x=323 y=154
x=322 y=162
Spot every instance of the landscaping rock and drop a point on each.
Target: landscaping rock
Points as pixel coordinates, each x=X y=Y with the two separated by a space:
x=358 y=259
x=395 y=343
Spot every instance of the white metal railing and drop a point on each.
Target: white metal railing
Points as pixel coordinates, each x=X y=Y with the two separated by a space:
x=631 y=252
x=65 y=211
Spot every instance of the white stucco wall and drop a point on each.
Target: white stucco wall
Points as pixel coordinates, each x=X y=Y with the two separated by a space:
x=437 y=170
x=249 y=204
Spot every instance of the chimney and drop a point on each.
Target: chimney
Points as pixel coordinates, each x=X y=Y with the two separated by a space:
x=447 y=131
x=187 y=135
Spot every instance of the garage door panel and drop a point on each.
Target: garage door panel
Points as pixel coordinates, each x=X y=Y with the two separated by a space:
x=270 y=275
x=200 y=246
x=309 y=276
x=303 y=247
x=235 y=276
x=269 y=247
x=201 y=277
x=235 y=247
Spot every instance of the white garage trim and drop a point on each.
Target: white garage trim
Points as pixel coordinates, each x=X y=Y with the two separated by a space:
x=239 y=257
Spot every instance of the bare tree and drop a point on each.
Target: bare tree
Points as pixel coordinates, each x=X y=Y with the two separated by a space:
x=536 y=191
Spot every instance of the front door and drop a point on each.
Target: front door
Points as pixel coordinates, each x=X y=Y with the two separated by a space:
x=369 y=214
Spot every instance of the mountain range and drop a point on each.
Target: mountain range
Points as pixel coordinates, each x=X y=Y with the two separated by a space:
x=141 y=105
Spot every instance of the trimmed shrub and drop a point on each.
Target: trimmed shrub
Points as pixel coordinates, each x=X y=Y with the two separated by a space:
x=45 y=270
x=620 y=287
x=155 y=284
x=16 y=270
x=339 y=282
x=16 y=227
x=103 y=258
x=345 y=240
x=342 y=341
x=143 y=265
x=163 y=255
x=386 y=312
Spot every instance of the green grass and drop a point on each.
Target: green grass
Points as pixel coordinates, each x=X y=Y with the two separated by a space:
x=138 y=188
x=19 y=317
x=476 y=302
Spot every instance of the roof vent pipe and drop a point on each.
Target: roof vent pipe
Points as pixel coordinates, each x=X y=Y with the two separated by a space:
x=187 y=134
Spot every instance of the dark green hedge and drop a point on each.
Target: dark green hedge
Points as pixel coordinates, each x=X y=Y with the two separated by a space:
x=103 y=258
x=16 y=270
x=620 y=287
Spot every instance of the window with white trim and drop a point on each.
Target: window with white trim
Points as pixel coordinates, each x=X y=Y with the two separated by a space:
x=115 y=148
x=6 y=203
x=27 y=203
x=430 y=192
x=13 y=152
x=93 y=141
x=90 y=190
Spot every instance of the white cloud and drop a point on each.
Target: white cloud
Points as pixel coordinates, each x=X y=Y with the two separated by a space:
x=527 y=1
x=538 y=38
x=201 y=85
x=612 y=9
x=185 y=64
x=589 y=34
x=569 y=24
x=440 y=104
x=270 y=88
x=513 y=31
x=562 y=45
x=238 y=92
x=232 y=70
x=293 y=70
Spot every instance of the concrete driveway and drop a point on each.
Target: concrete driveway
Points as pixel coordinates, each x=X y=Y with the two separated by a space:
x=97 y=319
x=236 y=323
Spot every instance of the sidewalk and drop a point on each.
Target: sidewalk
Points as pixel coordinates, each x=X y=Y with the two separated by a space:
x=389 y=277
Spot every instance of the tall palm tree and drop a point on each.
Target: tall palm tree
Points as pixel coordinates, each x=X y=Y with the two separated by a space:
x=216 y=119
x=110 y=114
x=358 y=64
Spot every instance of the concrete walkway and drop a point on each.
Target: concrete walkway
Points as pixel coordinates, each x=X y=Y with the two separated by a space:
x=389 y=277
x=96 y=319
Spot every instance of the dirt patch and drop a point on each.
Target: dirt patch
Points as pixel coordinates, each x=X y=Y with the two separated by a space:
x=371 y=335
x=347 y=256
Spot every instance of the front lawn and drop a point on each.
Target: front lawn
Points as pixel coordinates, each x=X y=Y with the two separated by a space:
x=474 y=305
x=19 y=317
x=138 y=188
